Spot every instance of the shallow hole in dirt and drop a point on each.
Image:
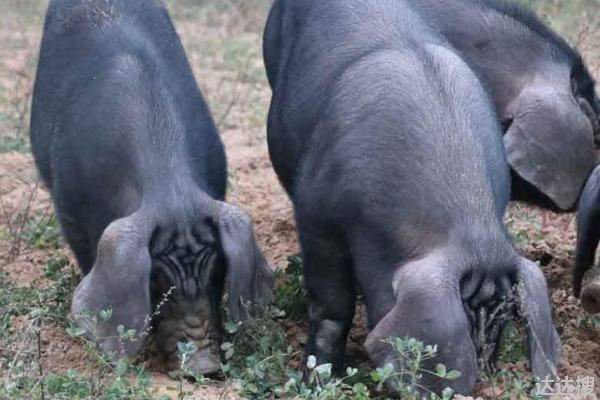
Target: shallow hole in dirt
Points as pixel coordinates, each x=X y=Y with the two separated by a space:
x=545 y=259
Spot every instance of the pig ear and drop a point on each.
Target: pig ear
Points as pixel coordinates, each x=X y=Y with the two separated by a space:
x=588 y=229
x=549 y=143
x=543 y=340
x=119 y=281
x=429 y=308
x=249 y=278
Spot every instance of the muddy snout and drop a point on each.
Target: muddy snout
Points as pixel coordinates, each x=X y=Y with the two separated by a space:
x=590 y=296
x=188 y=324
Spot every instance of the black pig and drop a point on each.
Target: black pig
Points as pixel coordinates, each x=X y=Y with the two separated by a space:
x=125 y=142
x=392 y=155
x=542 y=90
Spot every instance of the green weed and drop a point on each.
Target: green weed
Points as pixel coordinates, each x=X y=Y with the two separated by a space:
x=258 y=356
x=512 y=346
x=34 y=230
x=290 y=295
x=10 y=143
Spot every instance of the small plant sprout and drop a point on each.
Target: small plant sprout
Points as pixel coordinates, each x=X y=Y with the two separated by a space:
x=184 y=351
x=411 y=354
x=126 y=334
x=290 y=295
x=106 y=315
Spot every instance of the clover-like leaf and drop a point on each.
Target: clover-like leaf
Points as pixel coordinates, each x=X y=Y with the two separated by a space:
x=226 y=346
x=324 y=371
x=232 y=327
x=290 y=384
x=360 y=389
x=447 y=394
x=440 y=370
x=129 y=334
x=380 y=375
x=75 y=331
x=454 y=374
x=187 y=347
x=106 y=315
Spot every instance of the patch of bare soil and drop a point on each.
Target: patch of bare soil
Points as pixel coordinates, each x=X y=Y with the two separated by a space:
x=61 y=352
x=19 y=187
x=163 y=385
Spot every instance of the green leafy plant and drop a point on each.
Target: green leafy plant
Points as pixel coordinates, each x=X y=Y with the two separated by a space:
x=107 y=379
x=411 y=353
x=257 y=355
x=512 y=345
x=34 y=229
x=42 y=231
x=590 y=322
x=9 y=143
x=124 y=381
x=521 y=235
x=257 y=360
x=320 y=385
x=410 y=356
x=49 y=297
x=185 y=350
x=290 y=295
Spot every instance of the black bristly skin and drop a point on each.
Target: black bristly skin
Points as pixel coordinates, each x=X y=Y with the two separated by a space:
x=542 y=90
x=390 y=149
x=588 y=235
x=125 y=142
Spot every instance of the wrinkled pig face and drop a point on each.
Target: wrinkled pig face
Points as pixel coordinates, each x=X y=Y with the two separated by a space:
x=172 y=275
x=436 y=307
x=187 y=286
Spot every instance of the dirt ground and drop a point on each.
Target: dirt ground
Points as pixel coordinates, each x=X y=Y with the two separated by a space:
x=224 y=50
